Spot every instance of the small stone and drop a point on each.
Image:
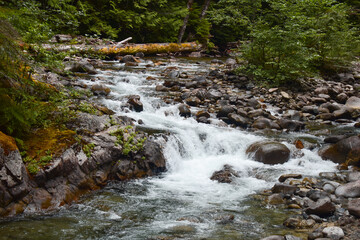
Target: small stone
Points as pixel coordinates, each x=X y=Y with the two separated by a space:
x=334 y=233
x=276 y=199
x=323 y=207
x=282 y=178
x=354 y=207
x=274 y=237
x=284 y=188
x=349 y=190
x=285 y=95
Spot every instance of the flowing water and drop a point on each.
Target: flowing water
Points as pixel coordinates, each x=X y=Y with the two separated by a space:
x=182 y=203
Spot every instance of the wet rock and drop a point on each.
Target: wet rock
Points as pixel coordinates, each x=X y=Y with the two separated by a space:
x=225 y=175
x=275 y=199
x=225 y=111
x=252 y=102
x=354 y=207
x=310 y=109
x=344 y=151
x=285 y=189
x=315 y=195
x=342 y=113
x=128 y=58
x=193 y=101
x=135 y=102
x=269 y=152
x=154 y=157
x=330 y=187
x=139 y=55
x=225 y=219
x=238 y=120
x=99 y=89
x=334 y=138
x=182 y=229
x=291 y=125
x=184 y=110
x=334 y=233
x=213 y=94
x=263 y=123
x=323 y=208
x=282 y=178
x=200 y=114
x=349 y=190
x=173 y=74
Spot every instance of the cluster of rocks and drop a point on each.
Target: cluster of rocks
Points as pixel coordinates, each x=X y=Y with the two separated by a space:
x=234 y=99
x=328 y=206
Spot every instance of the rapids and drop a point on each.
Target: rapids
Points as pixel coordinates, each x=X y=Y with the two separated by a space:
x=182 y=203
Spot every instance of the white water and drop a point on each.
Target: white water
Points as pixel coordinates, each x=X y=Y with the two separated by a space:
x=194 y=151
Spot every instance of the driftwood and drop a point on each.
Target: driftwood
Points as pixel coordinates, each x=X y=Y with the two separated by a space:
x=124 y=41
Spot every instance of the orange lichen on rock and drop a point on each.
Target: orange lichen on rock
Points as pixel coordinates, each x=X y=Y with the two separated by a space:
x=49 y=139
x=7 y=143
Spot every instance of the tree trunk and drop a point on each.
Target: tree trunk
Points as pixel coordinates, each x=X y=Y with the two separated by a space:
x=186 y=19
x=202 y=15
x=205 y=8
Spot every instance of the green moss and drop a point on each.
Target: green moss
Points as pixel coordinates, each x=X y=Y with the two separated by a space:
x=129 y=140
x=88 y=149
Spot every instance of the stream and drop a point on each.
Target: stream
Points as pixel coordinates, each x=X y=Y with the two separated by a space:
x=182 y=203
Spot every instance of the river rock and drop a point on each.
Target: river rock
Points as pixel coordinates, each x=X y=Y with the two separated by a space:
x=263 y=123
x=184 y=110
x=225 y=111
x=99 y=89
x=128 y=58
x=135 y=102
x=139 y=55
x=344 y=151
x=82 y=66
x=274 y=237
x=238 y=120
x=62 y=38
x=323 y=208
x=269 y=152
x=284 y=188
x=276 y=198
x=353 y=176
x=349 y=190
x=334 y=233
x=193 y=101
x=224 y=175
x=291 y=124
x=154 y=157
x=354 y=207
x=353 y=103
x=283 y=178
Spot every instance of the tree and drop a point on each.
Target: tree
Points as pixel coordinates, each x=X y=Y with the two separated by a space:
x=300 y=38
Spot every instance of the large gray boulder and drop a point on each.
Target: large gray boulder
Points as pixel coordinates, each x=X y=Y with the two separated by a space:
x=269 y=152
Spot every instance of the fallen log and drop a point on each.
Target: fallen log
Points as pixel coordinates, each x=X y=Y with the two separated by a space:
x=116 y=49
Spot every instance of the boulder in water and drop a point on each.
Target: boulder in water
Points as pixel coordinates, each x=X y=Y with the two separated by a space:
x=184 y=110
x=134 y=101
x=269 y=152
x=225 y=175
x=345 y=151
